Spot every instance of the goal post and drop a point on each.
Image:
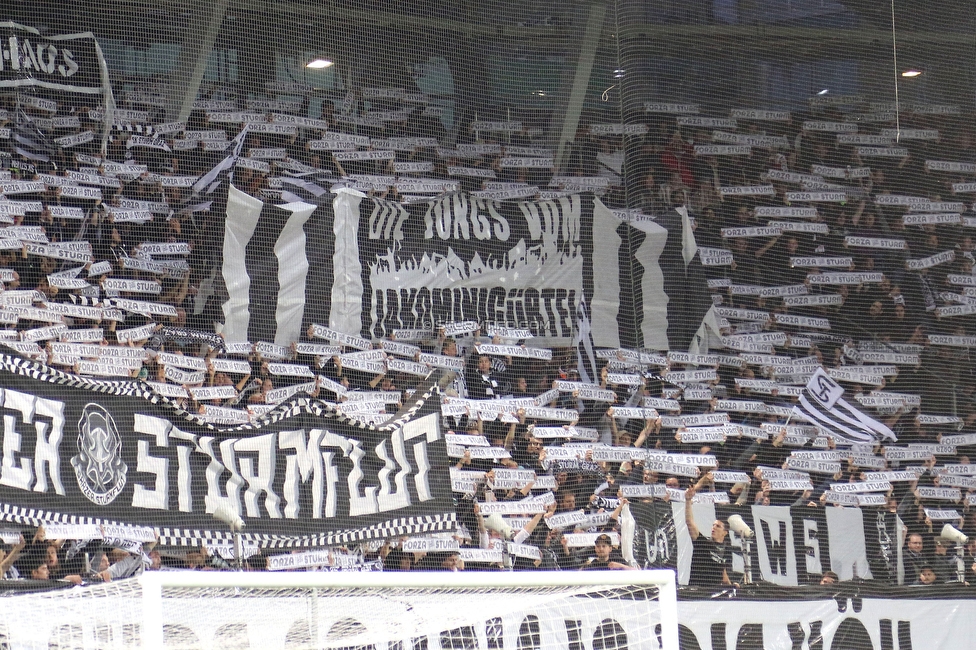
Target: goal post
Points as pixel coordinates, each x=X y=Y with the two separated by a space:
x=588 y=610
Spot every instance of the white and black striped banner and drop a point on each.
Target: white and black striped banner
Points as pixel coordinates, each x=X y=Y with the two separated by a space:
x=368 y=266
x=275 y=257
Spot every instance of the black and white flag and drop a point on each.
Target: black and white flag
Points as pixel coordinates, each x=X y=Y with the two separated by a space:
x=655 y=540
x=277 y=267
x=585 y=357
x=29 y=141
x=659 y=297
x=822 y=404
x=65 y=62
x=223 y=171
x=72 y=63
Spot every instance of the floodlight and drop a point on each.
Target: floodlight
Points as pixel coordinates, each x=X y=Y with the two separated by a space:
x=319 y=63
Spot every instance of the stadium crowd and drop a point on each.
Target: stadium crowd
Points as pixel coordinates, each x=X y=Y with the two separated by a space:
x=827 y=239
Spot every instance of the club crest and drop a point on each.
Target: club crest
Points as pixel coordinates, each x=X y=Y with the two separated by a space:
x=99 y=466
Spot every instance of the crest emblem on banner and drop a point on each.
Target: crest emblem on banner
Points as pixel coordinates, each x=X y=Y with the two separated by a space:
x=99 y=466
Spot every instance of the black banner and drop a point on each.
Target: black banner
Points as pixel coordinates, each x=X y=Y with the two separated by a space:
x=881 y=536
x=70 y=62
x=112 y=452
x=526 y=264
x=523 y=264
x=655 y=537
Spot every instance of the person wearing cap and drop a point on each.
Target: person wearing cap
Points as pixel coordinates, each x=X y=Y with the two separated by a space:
x=710 y=557
x=606 y=557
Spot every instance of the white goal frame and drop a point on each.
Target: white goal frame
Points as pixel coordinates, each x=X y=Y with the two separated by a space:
x=153 y=583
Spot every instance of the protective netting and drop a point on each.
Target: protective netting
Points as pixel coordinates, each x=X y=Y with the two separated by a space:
x=389 y=282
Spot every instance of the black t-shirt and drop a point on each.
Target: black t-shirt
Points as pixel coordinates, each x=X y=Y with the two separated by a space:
x=708 y=559
x=596 y=563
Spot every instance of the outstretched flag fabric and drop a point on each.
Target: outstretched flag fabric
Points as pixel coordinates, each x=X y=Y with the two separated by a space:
x=822 y=404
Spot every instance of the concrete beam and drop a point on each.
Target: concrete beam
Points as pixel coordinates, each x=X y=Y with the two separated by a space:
x=581 y=80
x=194 y=56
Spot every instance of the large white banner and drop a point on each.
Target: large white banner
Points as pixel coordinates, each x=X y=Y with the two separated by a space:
x=848 y=622
x=789 y=547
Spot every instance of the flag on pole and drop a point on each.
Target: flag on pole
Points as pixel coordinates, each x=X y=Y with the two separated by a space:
x=585 y=357
x=708 y=334
x=29 y=141
x=822 y=404
x=224 y=170
x=689 y=247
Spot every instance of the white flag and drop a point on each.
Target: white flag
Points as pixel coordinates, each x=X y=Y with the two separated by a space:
x=689 y=248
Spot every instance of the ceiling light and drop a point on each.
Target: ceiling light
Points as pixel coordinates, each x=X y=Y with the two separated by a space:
x=911 y=73
x=319 y=62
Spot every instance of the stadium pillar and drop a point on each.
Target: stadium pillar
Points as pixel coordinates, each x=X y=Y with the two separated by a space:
x=468 y=57
x=195 y=50
x=638 y=63
x=581 y=80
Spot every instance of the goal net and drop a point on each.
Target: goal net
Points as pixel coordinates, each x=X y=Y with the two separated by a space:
x=456 y=611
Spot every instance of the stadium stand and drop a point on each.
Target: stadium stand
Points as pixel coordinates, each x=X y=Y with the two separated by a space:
x=798 y=337
x=859 y=284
